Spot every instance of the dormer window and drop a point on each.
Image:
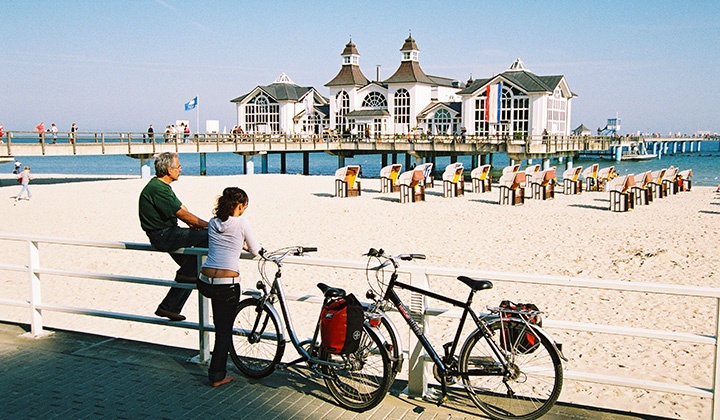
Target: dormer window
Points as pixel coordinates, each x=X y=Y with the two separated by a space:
x=346 y=60
x=355 y=60
x=415 y=55
x=406 y=55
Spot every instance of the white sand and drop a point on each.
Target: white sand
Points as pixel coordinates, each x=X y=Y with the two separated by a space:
x=670 y=241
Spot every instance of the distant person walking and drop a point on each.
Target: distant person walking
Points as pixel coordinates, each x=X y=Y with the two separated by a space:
x=24 y=179
x=54 y=132
x=2 y=133
x=17 y=167
x=40 y=128
x=151 y=134
x=159 y=209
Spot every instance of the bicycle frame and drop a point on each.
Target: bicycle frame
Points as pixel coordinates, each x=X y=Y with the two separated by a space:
x=288 y=331
x=391 y=296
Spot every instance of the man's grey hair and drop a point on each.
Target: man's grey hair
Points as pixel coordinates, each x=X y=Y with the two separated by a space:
x=163 y=162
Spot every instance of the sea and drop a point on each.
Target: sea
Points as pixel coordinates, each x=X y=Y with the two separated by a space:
x=705 y=164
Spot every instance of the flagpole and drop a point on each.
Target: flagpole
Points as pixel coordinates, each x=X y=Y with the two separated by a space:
x=197 y=106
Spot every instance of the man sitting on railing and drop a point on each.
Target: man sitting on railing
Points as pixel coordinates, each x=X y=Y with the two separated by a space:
x=159 y=210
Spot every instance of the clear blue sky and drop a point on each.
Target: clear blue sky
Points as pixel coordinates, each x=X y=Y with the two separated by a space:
x=121 y=65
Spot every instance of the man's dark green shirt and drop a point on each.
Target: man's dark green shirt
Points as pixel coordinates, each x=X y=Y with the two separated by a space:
x=157 y=206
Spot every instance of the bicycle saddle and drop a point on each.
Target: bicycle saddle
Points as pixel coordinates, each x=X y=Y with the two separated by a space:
x=331 y=292
x=476 y=284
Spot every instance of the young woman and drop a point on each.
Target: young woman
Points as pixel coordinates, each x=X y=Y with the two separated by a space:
x=228 y=235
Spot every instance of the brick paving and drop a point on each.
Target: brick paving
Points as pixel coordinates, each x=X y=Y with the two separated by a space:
x=76 y=375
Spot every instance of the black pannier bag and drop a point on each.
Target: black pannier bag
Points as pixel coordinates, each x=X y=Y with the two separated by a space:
x=342 y=325
x=520 y=336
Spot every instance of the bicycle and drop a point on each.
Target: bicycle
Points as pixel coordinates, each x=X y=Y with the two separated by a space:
x=510 y=368
x=358 y=381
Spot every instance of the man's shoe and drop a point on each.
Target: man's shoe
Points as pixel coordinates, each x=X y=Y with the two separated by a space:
x=167 y=314
x=222 y=381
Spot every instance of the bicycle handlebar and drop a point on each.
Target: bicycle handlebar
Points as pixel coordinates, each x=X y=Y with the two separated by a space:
x=372 y=252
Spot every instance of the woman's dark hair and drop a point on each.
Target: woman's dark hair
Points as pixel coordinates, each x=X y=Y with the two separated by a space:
x=228 y=201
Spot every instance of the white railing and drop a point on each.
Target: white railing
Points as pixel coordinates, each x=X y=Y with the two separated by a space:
x=417 y=378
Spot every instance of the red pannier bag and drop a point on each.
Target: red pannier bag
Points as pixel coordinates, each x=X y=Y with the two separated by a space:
x=341 y=325
x=520 y=336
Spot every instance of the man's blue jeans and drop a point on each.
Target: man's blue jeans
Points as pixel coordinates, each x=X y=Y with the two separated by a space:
x=171 y=239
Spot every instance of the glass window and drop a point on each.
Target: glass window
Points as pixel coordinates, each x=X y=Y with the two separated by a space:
x=514 y=114
x=375 y=100
x=402 y=109
x=441 y=122
x=342 y=101
x=557 y=113
x=262 y=115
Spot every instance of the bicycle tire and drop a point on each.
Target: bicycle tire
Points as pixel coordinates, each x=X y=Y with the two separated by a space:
x=531 y=387
x=367 y=375
x=256 y=357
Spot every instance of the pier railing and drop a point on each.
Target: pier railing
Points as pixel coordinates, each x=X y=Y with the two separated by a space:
x=141 y=144
x=419 y=275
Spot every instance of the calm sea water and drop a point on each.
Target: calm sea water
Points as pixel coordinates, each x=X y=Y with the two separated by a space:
x=705 y=164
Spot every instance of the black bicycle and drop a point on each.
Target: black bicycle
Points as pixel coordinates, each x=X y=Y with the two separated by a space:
x=358 y=380
x=510 y=367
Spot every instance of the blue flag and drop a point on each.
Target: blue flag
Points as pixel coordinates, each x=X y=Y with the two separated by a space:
x=191 y=105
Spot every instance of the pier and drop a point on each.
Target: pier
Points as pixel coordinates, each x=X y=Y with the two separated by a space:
x=143 y=146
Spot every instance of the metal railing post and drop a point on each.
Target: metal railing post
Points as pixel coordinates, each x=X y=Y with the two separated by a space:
x=716 y=366
x=36 y=321
x=417 y=379
x=203 y=320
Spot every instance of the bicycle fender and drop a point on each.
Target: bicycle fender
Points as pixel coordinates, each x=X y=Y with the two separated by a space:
x=493 y=319
x=543 y=333
x=283 y=334
x=395 y=332
x=400 y=349
x=383 y=340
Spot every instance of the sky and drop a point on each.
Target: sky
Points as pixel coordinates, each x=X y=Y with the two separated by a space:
x=121 y=65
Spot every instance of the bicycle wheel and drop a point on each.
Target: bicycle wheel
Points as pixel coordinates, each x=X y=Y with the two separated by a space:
x=362 y=378
x=258 y=346
x=532 y=383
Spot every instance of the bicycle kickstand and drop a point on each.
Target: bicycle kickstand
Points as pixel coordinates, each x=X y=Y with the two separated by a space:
x=443 y=398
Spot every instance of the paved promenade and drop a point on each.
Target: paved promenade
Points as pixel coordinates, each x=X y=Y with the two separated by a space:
x=78 y=376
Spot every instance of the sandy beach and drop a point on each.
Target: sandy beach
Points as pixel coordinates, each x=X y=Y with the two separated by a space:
x=670 y=241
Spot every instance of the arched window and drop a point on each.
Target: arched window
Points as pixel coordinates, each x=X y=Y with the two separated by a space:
x=342 y=104
x=402 y=111
x=441 y=122
x=514 y=114
x=375 y=100
x=262 y=115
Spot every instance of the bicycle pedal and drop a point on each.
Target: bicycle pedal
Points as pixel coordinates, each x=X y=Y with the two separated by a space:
x=281 y=366
x=441 y=401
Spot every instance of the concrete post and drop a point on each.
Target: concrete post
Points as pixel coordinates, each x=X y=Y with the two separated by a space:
x=417 y=377
x=203 y=164
x=569 y=163
x=341 y=160
x=264 y=163
x=203 y=320
x=546 y=163
x=36 y=319
x=145 y=170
